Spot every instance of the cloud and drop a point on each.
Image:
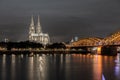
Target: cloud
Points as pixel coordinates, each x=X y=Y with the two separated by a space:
x=62 y=19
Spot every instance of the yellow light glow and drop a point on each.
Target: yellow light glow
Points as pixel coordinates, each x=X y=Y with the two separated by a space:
x=99 y=50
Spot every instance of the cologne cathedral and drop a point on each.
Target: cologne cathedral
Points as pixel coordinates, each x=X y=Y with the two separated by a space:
x=36 y=34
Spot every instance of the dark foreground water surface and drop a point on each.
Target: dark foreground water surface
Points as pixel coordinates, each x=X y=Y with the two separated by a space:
x=59 y=67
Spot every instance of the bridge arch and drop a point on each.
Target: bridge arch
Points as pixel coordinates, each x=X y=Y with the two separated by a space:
x=114 y=39
x=87 y=42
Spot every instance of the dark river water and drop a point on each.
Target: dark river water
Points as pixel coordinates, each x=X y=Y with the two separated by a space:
x=59 y=67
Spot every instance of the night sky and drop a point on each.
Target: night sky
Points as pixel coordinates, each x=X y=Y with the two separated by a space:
x=61 y=19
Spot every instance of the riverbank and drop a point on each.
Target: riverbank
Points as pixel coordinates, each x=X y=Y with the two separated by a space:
x=17 y=52
x=34 y=52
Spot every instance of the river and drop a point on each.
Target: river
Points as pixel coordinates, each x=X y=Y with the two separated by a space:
x=59 y=67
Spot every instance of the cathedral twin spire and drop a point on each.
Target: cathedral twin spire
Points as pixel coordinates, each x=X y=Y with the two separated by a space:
x=32 y=22
x=38 y=27
x=35 y=33
x=32 y=26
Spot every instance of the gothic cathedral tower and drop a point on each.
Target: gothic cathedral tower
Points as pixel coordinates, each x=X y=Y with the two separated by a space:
x=38 y=27
x=31 y=29
x=36 y=34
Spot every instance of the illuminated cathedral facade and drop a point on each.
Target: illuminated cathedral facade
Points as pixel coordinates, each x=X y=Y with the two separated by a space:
x=36 y=34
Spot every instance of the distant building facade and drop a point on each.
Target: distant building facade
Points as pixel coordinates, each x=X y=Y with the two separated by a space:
x=36 y=34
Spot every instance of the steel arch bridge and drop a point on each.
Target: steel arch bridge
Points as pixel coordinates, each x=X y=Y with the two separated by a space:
x=86 y=42
x=114 y=39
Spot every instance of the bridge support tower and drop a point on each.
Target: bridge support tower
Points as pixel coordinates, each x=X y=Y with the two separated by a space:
x=109 y=50
x=99 y=48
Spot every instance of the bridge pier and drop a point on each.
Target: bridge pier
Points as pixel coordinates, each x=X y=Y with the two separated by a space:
x=99 y=50
x=109 y=50
x=106 y=50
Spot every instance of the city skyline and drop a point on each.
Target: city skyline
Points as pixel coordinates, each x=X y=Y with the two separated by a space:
x=63 y=20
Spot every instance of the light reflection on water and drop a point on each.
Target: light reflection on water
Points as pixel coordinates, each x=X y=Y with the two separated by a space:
x=97 y=67
x=42 y=67
x=59 y=67
x=3 y=75
x=117 y=65
x=13 y=66
x=30 y=68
